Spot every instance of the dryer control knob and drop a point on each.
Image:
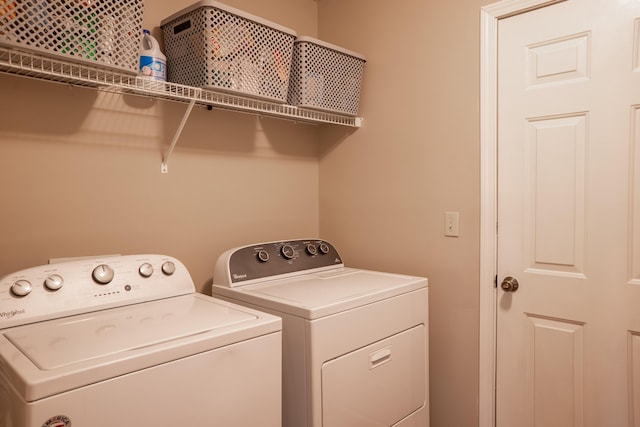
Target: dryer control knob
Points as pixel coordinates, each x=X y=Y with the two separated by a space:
x=102 y=274
x=21 y=288
x=324 y=248
x=168 y=268
x=312 y=249
x=263 y=255
x=53 y=282
x=145 y=270
x=287 y=251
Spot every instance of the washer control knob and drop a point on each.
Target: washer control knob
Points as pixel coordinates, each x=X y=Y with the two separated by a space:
x=102 y=274
x=287 y=251
x=324 y=248
x=53 y=282
x=21 y=288
x=146 y=270
x=263 y=255
x=168 y=268
x=312 y=249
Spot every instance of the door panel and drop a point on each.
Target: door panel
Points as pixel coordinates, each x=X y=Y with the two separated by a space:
x=555 y=365
x=634 y=249
x=568 y=350
x=634 y=377
x=555 y=210
x=562 y=60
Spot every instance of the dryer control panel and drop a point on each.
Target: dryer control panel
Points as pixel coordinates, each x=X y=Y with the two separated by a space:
x=89 y=284
x=244 y=265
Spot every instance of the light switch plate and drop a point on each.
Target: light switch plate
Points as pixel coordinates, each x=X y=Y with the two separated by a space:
x=451 y=224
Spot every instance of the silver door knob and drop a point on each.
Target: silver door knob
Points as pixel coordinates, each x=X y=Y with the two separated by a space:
x=509 y=284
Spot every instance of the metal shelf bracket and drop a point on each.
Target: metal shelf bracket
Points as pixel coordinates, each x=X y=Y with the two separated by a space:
x=165 y=158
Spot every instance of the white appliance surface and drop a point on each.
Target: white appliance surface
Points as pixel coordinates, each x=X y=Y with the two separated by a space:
x=355 y=342
x=64 y=342
x=320 y=294
x=162 y=360
x=355 y=394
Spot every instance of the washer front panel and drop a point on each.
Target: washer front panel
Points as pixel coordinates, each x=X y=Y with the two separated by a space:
x=202 y=389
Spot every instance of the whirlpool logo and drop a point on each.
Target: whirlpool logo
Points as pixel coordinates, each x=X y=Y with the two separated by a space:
x=58 y=421
x=10 y=314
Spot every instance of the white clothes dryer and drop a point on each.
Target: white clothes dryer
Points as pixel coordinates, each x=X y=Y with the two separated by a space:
x=127 y=341
x=355 y=342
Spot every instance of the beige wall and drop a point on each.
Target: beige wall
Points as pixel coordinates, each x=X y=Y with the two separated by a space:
x=384 y=190
x=80 y=170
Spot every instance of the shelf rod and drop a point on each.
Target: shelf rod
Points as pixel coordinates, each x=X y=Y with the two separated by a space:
x=165 y=159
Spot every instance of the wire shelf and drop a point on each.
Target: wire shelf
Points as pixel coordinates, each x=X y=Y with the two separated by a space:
x=44 y=68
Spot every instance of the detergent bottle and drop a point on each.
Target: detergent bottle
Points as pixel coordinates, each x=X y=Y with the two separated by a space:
x=153 y=63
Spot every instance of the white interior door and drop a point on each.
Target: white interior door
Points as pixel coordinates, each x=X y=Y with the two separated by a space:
x=568 y=339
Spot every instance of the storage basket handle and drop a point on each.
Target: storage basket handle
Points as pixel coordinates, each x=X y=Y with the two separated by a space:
x=178 y=28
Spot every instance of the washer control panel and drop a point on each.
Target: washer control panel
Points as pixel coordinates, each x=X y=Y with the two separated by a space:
x=244 y=265
x=89 y=284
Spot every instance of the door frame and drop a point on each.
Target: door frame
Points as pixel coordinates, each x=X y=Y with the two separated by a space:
x=489 y=17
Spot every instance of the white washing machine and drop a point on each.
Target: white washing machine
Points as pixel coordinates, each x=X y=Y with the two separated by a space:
x=355 y=342
x=127 y=341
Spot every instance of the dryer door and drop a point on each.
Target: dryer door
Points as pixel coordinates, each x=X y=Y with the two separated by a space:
x=378 y=385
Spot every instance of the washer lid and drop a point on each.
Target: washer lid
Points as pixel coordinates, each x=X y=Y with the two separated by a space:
x=321 y=294
x=54 y=356
x=64 y=342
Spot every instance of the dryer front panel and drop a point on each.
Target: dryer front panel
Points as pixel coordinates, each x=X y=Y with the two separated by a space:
x=380 y=384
